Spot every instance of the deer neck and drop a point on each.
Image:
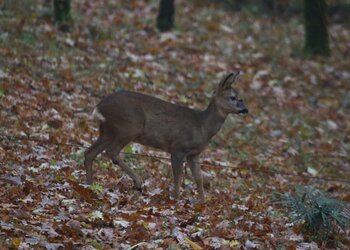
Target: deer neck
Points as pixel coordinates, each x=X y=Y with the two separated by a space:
x=213 y=119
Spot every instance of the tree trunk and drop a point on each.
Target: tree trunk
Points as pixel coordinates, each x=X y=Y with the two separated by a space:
x=316 y=34
x=62 y=14
x=165 y=18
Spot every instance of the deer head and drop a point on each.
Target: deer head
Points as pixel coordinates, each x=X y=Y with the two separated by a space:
x=227 y=99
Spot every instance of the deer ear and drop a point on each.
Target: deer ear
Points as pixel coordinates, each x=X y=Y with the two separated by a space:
x=228 y=80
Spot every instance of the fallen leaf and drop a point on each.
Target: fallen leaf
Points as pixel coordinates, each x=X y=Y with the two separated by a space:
x=194 y=245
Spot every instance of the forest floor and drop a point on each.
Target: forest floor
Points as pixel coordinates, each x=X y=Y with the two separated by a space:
x=296 y=134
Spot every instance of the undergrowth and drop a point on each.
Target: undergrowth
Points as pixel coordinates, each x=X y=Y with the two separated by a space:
x=321 y=217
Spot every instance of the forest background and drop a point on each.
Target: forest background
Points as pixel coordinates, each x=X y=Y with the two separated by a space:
x=54 y=71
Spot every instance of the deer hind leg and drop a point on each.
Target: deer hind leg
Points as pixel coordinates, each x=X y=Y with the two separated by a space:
x=177 y=166
x=91 y=153
x=197 y=174
x=113 y=151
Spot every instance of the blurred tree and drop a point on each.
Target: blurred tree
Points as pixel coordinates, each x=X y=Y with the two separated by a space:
x=316 y=34
x=165 y=18
x=62 y=14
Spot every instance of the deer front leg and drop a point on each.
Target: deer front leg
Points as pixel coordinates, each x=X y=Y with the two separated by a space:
x=177 y=166
x=197 y=175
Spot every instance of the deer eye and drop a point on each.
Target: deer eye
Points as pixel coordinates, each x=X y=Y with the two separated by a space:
x=233 y=98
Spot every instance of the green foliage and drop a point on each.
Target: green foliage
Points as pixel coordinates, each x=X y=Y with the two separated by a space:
x=28 y=38
x=129 y=153
x=97 y=245
x=128 y=150
x=97 y=187
x=321 y=216
x=2 y=92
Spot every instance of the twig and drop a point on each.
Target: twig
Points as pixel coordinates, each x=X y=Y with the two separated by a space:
x=138 y=244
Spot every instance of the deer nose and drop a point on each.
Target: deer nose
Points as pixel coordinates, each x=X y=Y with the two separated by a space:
x=244 y=111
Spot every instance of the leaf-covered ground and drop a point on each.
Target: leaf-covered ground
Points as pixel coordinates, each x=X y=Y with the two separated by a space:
x=298 y=129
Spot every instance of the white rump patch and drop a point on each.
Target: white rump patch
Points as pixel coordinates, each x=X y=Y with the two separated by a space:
x=98 y=116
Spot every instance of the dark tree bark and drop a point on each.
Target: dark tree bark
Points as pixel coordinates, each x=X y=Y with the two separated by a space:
x=165 y=18
x=316 y=34
x=62 y=14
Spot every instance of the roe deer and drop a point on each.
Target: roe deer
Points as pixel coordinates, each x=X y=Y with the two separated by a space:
x=127 y=116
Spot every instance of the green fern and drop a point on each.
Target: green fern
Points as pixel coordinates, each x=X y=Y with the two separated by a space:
x=321 y=216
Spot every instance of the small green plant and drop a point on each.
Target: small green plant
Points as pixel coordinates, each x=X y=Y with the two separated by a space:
x=96 y=245
x=129 y=153
x=321 y=217
x=97 y=187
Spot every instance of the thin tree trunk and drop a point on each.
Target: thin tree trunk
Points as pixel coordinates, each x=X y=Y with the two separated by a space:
x=62 y=14
x=316 y=34
x=165 y=18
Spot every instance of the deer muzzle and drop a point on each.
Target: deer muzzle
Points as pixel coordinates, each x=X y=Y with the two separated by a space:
x=243 y=111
